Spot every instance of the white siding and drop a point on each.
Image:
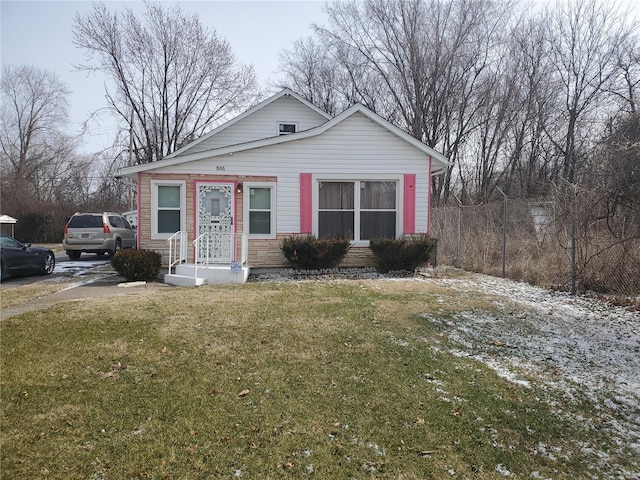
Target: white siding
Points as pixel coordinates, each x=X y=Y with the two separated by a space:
x=263 y=124
x=356 y=148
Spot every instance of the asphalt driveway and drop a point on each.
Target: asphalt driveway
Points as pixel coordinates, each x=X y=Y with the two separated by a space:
x=83 y=279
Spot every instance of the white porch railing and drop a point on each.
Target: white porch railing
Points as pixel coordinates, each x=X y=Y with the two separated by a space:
x=177 y=249
x=197 y=246
x=244 y=249
x=207 y=249
x=219 y=258
x=206 y=245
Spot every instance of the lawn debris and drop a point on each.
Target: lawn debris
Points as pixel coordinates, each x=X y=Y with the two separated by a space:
x=425 y=453
x=114 y=371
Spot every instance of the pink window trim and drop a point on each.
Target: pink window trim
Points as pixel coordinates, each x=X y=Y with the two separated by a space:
x=306 y=216
x=138 y=211
x=429 y=196
x=409 y=220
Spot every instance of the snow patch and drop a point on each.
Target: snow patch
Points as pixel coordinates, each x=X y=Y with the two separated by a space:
x=576 y=345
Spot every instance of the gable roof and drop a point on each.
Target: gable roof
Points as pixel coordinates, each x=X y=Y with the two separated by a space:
x=7 y=219
x=283 y=93
x=440 y=161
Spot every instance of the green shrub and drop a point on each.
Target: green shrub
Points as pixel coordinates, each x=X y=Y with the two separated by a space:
x=312 y=252
x=407 y=253
x=137 y=264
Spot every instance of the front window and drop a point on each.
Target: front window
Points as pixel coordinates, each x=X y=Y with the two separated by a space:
x=377 y=210
x=357 y=210
x=168 y=208
x=336 y=210
x=260 y=211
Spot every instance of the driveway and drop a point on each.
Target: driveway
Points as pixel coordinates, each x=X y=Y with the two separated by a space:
x=65 y=268
x=85 y=278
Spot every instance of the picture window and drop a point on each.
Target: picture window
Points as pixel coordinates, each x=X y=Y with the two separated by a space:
x=357 y=210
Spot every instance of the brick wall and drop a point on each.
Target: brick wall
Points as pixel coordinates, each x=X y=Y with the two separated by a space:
x=267 y=254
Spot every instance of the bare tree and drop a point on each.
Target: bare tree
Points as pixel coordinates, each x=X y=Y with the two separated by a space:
x=37 y=156
x=513 y=97
x=616 y=175
x=39 y=165
x=627 y=81
x=533 y=100
x=309 y=70
x=172 y=77
x=417 y=63
x=582 y=42
x=494 y=119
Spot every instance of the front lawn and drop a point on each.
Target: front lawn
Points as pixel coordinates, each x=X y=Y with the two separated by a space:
x=324 y=379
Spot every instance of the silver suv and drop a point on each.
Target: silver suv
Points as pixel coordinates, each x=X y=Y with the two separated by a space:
x=101 y=233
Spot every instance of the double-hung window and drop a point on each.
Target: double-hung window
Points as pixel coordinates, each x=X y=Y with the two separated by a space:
x=336 y=209
x=168 y=208
x=260 y=215
x=377 y=210
x=358 y=210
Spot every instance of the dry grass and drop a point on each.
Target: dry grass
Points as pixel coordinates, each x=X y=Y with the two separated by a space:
x=12 y=296
x=605 y=263
x=333 y=379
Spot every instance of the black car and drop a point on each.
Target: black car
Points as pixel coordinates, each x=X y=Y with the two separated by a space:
x=23 y=259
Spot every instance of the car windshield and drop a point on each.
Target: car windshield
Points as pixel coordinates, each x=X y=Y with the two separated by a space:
x=86 y=221
x=8 y=242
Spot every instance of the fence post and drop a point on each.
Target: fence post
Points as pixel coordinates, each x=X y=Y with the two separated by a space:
x=504 y=234
x=573 y=239
x=573 y=234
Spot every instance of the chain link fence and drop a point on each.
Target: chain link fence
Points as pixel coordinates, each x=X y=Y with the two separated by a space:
x=556 y=243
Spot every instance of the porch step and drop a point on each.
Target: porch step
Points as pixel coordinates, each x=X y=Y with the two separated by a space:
x=183 y=280
x=188 y=275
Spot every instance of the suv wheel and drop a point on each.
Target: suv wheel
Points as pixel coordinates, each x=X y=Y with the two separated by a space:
x=117 y=248
x=73 y=254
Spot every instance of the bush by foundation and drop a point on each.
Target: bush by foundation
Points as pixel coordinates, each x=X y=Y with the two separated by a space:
x=136 y=265
x=311 y=252
x=407 y=253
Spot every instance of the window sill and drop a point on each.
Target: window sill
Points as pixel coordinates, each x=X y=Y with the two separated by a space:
x=360 y=244
x=161 y=236
x=261 y=237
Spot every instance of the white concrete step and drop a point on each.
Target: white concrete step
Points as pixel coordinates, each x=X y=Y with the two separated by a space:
x=183 y=280
x=208 y=274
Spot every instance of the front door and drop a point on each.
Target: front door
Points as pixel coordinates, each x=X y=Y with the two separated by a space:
x=215 y=217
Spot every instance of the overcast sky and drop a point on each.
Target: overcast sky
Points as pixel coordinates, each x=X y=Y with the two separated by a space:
x=39 y=33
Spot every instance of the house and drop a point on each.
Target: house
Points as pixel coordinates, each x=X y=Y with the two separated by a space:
x=281 y=168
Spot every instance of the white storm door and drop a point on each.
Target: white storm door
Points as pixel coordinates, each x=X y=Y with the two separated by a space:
x=215 y=218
